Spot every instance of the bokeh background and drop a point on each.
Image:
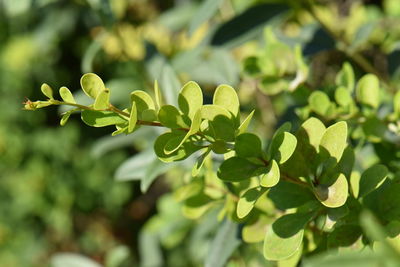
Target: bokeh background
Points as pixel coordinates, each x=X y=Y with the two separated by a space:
x=65 y=189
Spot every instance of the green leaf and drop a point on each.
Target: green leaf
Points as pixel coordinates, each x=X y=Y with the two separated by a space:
x=334 y=193
x=171 y=117
x=374 y=129
x=345 y=77
x=47 y=91
x=272 y=175
x=190 y=99
x=236 y=169
x=196 y=206
x=182 y=153
x=132 y=118
x=199 y=162
x=157 y=94
x=312 y=130
x=205 y=12
x=66 y=95
x=224 y=244
x=176 y=143
x=226 y=97
x=282 y=147
x=92 y=85
x=248 y=145
x=371 y=179
x=67 y=259
x=247 y=201
x=367 y=90
x=143 y=101
x=334 y=140
x=344 y=236
x=319 y=102
x=254 y=231
x=285 y=235
x=102 y=100
x=65 y=118
x=245 y=124
x=343 y=97
x=221 y=125
x=101 y=118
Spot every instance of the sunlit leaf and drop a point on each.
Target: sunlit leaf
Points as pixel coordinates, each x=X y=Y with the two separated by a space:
x=367 y=90
x=190 y=99
x=102 y=100
x=66 y=95
x=92 y=85
x=334 y=193
x=247 y=201
x=371 y=179
x=334 y=140
x=46 y=90
x=101 y=118
x=272 y=175
x=283 y=146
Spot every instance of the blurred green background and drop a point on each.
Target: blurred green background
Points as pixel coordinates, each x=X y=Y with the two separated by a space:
x=57 y=187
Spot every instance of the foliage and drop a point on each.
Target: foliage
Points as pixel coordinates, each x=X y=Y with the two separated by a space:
x=324 y=181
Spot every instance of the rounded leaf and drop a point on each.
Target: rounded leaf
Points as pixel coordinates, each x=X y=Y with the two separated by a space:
x=169 y=116
x=247 y=201
x=319 y=102
x=248 y=145
x=272 y=175
x=371 y=179
x=102 y=100
x=335 y=194
x=236 y=169
x=46 y=90
x=334 y=140
x=92 y=85
x=190 y=99
x=283 y=146
x=367 y=90
x=225 y=96
x=66 y=95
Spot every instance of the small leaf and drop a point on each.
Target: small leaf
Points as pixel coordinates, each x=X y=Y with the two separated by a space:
x=182 y=153
x=132 y=118
x=367 y=90
x=221 y=125
x=190 y=99
x=143 y=101
x=171 y=117
x=371 y=179
x=199 y=162
x=345 y=77
x=333 y=194
x=334 y=140
x=247 y=201
x=236 y=169
x=157 y=94
x=284 y=237
x=243 y=127
x=319 y=102
x=92 y=85
x=343 y=97
x=65 y=118
x=282 y=147
x=254 y=232
x=272 y=175
x=101 y=118
x=248 y=145
x=225 y=96
x=47 y=91
x=313 y=129
x=102 y=100
x=66 y=95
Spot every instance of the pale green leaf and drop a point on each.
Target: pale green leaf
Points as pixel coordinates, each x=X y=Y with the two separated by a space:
x=333 y=194
x=247 y=201
x=367 y=90
x=157 y=94
x=66 y=95
x=143 y=101
x=102 y=100
x=282 y=147
x=345 y=77
x=65 y=118
x=313 y=129
x=245 y=124
x=319 y=103
x=343 y=97
x=284 y=237
x=47 y=91
x=101 y=118
x=272 y=175
x=92 y=85
x=190 y=99
x=132 y=118
x=334 y=140
x=226 y=97
x=199 y=162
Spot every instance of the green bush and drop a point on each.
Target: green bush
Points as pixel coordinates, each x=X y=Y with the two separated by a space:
x=303 y=172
